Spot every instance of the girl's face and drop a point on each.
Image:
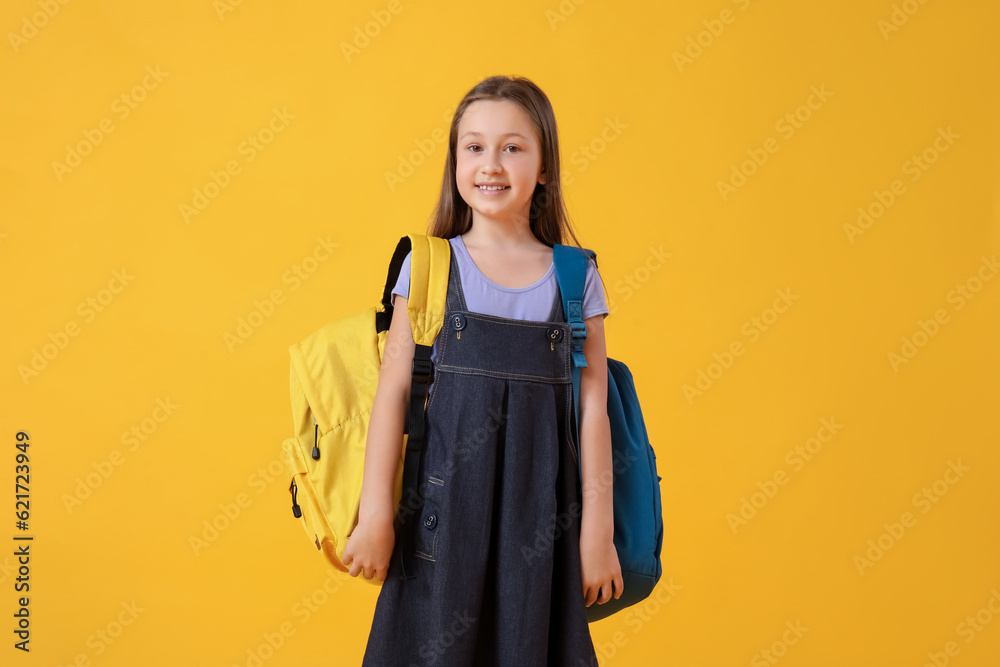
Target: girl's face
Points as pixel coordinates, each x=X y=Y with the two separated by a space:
x=497 y=146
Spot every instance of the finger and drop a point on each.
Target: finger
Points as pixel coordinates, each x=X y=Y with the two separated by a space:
x=619 y=585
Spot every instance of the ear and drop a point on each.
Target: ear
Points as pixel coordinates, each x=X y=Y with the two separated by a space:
x=541 y=176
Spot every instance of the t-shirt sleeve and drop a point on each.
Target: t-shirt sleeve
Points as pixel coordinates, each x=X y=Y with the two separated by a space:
x=594 y=302
x=402 y=287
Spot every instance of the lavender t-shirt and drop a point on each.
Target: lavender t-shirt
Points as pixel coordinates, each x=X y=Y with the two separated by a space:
x=533 y=302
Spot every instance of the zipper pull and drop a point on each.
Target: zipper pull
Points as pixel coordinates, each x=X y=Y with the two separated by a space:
x=315 y=453
x=296 y=510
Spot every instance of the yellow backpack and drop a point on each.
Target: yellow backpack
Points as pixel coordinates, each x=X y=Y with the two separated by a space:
x=334 y=375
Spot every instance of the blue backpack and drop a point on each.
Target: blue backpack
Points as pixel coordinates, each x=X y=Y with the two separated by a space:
x=637 y=515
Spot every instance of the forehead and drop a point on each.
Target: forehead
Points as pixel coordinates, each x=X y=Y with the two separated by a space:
x=494 y=118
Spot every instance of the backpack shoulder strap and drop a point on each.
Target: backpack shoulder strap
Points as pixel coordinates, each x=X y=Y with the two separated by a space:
x=430 y=261
x=571 y=275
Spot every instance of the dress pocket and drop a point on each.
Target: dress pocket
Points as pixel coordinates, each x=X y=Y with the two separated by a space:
x=428 y=525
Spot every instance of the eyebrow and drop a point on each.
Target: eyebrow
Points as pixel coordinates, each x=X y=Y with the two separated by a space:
x=509 y=134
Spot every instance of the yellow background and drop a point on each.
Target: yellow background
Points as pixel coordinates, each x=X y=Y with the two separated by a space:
x=651 y=186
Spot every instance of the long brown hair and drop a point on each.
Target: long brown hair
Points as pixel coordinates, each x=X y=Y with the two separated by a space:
x=547 y=217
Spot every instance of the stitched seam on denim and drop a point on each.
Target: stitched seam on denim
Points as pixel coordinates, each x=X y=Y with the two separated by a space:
x=445 y=337
x=529 y=324
x=569 y=426
x=458 y=283
x=564 y=350
x=564 y=378
x=532 y=324
x=465 y=370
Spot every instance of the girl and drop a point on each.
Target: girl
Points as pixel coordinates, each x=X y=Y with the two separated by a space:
x=506 y=555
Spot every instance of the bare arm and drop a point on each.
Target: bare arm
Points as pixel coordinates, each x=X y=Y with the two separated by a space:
x=602 y=577
x=369 y=547
x=385 y=428
x=595 y=433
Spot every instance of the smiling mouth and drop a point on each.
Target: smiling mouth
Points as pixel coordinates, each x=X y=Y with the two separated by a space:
x=492 y=188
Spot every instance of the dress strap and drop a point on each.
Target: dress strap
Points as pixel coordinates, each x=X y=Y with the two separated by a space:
x=456 y=297
x=556 y=314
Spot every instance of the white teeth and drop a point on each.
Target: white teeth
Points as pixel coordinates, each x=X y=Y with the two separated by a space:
x=491 y=187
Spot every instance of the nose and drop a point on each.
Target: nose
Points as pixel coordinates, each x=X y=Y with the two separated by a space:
x=491 y=164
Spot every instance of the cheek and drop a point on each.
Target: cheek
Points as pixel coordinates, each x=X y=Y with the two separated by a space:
x=526 y=178
x=463 y=169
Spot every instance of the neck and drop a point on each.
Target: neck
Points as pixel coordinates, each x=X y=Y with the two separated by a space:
x=499 y=234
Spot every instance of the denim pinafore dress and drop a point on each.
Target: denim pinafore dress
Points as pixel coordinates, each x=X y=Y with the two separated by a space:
x=496 y=577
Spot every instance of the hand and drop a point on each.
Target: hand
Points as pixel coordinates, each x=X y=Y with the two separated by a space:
x=601 y=569
x=369 y=547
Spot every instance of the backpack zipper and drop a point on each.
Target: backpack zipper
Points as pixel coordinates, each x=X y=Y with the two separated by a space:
x=315 y=453
x=296 y=510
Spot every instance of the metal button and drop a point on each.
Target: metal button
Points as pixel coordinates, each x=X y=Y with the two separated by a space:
x=458 y=321
x=555 y=334
x=430 y=521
